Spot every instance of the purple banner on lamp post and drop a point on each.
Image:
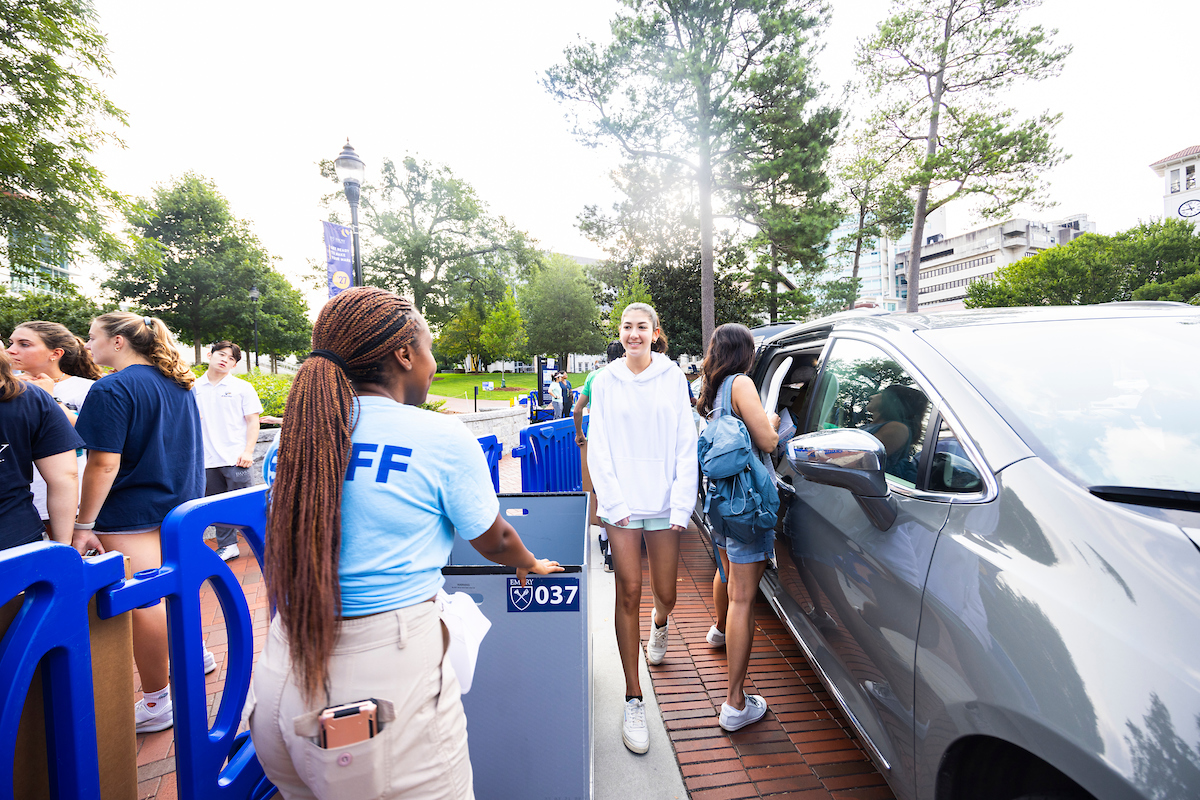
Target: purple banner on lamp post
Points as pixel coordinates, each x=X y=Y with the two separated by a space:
x=339 y=257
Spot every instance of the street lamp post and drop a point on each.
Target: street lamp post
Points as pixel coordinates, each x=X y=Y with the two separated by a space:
x=350 y=168
x=254 y=295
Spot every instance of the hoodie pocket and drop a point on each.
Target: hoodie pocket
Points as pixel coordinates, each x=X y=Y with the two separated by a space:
x=643 y=482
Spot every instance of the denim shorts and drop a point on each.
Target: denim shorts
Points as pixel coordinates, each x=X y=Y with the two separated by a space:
x=653 y=524
x=740 y=552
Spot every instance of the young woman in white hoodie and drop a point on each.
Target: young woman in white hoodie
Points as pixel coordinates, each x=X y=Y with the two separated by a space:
x=642 y=459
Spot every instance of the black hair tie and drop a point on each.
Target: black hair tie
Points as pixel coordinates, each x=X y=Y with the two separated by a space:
x=334 y=357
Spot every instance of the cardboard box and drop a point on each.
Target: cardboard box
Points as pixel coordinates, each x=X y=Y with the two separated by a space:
x=112 y=684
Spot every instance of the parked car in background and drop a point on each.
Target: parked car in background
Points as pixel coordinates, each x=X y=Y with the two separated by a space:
x=989 y=543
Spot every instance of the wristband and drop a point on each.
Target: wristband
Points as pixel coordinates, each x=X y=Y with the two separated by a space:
x=85 y=526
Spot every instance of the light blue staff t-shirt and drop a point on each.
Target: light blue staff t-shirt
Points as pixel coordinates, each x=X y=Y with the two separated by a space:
x=415 y=477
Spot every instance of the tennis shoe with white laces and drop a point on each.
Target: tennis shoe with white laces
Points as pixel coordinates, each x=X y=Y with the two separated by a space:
x=634 y=732
x=734 y=720
x=656 y=648
x=715 y=637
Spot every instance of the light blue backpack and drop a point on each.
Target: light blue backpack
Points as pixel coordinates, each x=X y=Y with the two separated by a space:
x=741 y=501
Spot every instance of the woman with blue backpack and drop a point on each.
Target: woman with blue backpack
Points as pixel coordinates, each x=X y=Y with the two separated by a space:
x=743 y=558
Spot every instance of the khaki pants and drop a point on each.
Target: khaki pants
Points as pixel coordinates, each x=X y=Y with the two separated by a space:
x=397 y=656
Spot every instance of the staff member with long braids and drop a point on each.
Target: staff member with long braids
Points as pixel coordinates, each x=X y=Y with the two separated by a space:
x=642 y=458
x=145 y=456
x=58 y=361
x=369 y=491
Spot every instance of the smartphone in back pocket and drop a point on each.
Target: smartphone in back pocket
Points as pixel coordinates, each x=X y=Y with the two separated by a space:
x=348 y=724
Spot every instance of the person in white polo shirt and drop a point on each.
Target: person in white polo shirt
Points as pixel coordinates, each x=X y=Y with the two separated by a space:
x=229 y=412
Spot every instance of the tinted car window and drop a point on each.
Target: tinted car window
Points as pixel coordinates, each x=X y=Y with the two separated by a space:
x=1112 y=402
x=952 y=469
x=863 y=387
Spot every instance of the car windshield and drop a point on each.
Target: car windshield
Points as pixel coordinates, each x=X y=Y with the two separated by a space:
x=1113 y=402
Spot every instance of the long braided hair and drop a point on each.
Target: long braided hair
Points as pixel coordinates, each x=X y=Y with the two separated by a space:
x=360 y=327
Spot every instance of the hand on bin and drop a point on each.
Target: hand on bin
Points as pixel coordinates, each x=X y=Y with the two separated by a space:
x=541 y=567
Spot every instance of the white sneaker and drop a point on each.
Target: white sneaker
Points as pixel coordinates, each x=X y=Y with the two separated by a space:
x=210 y=661
x=149 y=720
x=634 y=732
x=656 y=648
x=715 y=637
x=734 y=720
x=228 y=552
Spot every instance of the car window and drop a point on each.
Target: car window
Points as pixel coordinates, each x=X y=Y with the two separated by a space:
x=952 y=469
x=861 y=386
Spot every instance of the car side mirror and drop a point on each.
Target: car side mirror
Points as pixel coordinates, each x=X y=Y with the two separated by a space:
x=848 y=459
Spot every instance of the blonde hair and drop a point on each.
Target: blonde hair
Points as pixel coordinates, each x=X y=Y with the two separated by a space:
x=149 y=337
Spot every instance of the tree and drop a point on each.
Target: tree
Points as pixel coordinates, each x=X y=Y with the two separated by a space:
x=1153 y=261
x=633 y=290
x=53 y=201
x=283 y=326
x=780 y=182
x=194 y=262
x=503 y=332
x=70 y=308
x=461 y=338
x=560 y=310
x=873 y=196
x=673 y=280
x=936 y=67
x=431 y=238
x=680 y=83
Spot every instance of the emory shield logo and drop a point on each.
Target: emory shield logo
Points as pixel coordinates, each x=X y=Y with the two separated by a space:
x=520 y=596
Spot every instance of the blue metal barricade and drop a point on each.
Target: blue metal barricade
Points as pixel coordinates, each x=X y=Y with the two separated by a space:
x=53 y=623
x=493 y=451
x=550 y=457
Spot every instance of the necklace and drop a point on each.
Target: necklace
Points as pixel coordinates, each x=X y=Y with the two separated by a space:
x=60 y=380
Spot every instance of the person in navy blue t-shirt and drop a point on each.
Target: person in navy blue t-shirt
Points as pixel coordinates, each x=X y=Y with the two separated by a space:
x=34 y=431
x=141 y=427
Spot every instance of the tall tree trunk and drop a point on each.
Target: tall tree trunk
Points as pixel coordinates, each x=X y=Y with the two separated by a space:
x=196 y=345
x=705 y=186
x=858 y=241
x=773 y=300
x=914 y=253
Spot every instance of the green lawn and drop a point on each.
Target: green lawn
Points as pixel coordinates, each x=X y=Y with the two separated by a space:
x=453 y=384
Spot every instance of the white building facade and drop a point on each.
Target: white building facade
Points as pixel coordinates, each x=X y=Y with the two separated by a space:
x=950 y=265
x=1181 y=192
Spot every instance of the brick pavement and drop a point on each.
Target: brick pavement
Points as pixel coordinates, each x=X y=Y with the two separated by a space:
x=803 y=749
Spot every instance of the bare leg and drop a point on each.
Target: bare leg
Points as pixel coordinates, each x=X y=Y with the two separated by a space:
x=739 y=631
x=626 y=548
x=662 y=550
x=150 y=651
x=721 y=593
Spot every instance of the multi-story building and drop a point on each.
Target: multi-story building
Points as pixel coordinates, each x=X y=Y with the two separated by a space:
x=949 y=266
x=1181 y=193
x=50 y=265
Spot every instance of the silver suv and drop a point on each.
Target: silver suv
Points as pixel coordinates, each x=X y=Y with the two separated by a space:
x=988 y=543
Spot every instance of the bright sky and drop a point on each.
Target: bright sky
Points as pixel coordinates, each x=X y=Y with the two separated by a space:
x=252 y=93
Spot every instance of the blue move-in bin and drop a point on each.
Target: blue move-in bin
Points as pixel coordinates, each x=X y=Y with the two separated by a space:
x=529 y=711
